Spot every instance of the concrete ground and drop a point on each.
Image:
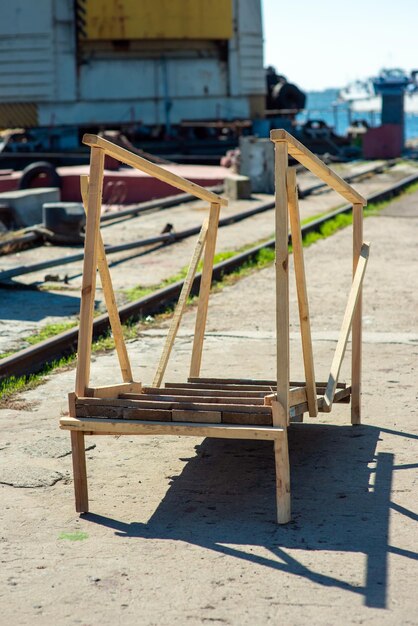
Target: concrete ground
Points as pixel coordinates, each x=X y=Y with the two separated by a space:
x=182 y=530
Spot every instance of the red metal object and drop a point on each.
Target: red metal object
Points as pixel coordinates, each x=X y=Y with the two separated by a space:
x=383 y=142
x=139 y=186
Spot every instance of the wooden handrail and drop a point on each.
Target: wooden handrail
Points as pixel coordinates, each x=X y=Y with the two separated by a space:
x=298 y=151
x=139 y=163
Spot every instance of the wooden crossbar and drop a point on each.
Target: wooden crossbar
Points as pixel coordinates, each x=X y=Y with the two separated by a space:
x=136 y=427
x=346 y=327
x=139 y=163
x=299 y=152
x=181 y=305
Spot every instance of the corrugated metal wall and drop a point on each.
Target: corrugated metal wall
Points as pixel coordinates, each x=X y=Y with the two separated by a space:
x=26 y=51
x=106 y=80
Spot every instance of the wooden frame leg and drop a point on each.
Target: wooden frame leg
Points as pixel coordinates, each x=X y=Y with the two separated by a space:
x=79 y=472
x=356 y=332
x=281 y=459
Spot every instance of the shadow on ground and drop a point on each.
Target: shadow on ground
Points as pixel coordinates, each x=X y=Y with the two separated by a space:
x=225 y=497
x=30 y=305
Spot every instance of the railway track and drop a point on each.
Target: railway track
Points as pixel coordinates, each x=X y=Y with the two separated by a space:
x=166 y=239
x=33 y=359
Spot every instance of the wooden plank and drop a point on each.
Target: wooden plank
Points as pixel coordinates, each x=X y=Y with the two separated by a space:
x=346 y=326
x=296 y=396
x=136 y=427
x=299 y=152
x=281 y=457
x=79 y=472
x=191 y=392
x=187 y=398
x=134 y=160
x=302 y=292
x=209 y=417
x=88 y=288
x=255 y=419
x=282 y=276
x=145 y=404
x=342 y=396
x=204 y=292
x=356 y=332
x=249 y=381
x=181 y=305
x=109 y=295
x=113 y=391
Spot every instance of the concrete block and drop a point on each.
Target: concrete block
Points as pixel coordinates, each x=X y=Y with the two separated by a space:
x=237 y=187
x=26 y=204
x=257 y=162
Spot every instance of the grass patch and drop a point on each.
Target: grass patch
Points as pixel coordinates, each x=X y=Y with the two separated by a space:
x=76 y=536
x=15 y=384
x=48 y=331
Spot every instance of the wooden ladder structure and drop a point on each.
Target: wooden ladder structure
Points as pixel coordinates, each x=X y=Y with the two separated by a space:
x=213 y=407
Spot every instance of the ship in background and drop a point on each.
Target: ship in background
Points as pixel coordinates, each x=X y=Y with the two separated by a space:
x=363 y=96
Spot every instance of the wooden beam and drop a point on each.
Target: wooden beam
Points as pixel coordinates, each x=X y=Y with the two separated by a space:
x=111 y=403
x=346 y=327
x=79 y=472
x=113 y=391
x=282 y=277
x=247 y=382
x=109 y=296
x=139 y=163
x=302 y=292
x=181 y=306
x=136 y=427
x=204 y=292
x=299 y=152
x=356 y=333
x=281 y=457
x=88 y=288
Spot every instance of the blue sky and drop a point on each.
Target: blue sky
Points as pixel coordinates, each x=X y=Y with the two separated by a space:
x=328 y=43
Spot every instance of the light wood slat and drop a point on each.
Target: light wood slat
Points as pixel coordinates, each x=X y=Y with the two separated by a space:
x=88 y=288
x=281 y=457
x=346 y=326
x=193 y=406
x=224 y=393
x=302 y=292
x=282 y=276
x=187 y=398
x=342 y=396
x=123 y=155
x=299 y=152
x=202 y=388
x=112 y=391
x=251 y=381
x=204 y=292
x=136 y=427
x=356 y=332
x=109 y=295
x=181 y=305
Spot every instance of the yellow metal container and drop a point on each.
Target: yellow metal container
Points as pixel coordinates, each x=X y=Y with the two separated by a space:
x=155 y=19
